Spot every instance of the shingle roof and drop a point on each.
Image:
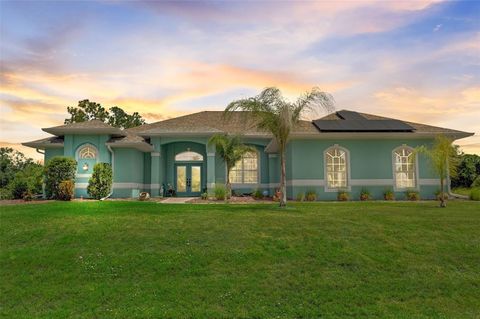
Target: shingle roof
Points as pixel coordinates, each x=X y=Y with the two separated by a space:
x=93 y=126
x=130 y=140
x=210 y=122
x=49 y=142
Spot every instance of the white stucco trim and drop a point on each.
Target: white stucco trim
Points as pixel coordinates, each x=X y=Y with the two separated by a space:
x=306 y=182
x=371 y=182
x=155 y=154
x=211 y=154
x=429 y=181
x=83 y=175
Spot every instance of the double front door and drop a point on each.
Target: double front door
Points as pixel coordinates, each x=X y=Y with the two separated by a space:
x=188 y=179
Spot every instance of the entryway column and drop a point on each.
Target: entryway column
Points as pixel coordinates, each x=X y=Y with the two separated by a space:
x=155 y=167
x=210 y=169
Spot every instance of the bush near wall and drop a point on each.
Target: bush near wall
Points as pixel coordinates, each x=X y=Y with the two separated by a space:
x=100 y=184
x=66 y=190
x=57 y=170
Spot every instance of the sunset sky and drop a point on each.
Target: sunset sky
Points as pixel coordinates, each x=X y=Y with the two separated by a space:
x=417 y=61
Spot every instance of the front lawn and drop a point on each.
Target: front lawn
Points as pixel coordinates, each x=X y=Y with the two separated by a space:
x=148 y=260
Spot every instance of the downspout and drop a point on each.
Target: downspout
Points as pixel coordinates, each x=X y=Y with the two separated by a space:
x=113 y=170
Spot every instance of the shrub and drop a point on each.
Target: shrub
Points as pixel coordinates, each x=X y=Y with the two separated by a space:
x=365 y=194
x=142 y=197
x=257 y=194
x=57 y=170
x=300 y=197
x=343 y=196
x=204 y=196
x=475 y=193
x=388 y=194
x=5 y=193
x=412 y=194
x=220 y=192
x=18 y=187
x=100 y=184
x=311 y=196
x=476 y=182
x=66 y=190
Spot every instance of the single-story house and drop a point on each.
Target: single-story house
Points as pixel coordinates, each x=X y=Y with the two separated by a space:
x=344 y=150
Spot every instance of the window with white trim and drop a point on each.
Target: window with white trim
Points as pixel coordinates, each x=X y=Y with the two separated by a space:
x=87 y=152
x=336 y=161
x=405 y=168
x=189 y=156
x=245 y=170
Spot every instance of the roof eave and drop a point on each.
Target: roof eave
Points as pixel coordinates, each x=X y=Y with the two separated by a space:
x=42 y=145
x=84 y=131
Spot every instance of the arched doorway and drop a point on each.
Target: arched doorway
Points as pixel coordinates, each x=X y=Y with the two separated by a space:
x=188 y=173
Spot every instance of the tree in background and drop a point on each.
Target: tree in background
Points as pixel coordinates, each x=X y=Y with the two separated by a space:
x=115 y=116
x=468 y=170
x=272 y=113
x=444 y=159
x=11 y=162
x=231 y=150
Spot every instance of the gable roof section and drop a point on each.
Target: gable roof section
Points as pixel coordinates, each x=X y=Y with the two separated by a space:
x=88 y=127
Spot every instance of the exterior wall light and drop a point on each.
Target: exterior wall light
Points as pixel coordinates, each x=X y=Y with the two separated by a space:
x=85 y=167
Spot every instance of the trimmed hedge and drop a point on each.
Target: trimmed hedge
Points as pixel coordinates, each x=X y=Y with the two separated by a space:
x=100 y=184
x=57 y=170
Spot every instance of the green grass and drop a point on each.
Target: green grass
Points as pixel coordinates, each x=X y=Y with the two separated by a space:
x=147 y=260
x=472 y=192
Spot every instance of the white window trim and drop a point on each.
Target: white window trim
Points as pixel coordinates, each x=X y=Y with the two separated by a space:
x=417 y=184
x=243 y=177
x=325 y=173
x=78 y=159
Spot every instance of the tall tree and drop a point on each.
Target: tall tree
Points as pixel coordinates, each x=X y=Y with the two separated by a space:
x=115 y=116
x=444 y=159
x=231 y=150
x=273 y=113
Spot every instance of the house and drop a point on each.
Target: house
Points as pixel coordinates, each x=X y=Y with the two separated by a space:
x=343 y=150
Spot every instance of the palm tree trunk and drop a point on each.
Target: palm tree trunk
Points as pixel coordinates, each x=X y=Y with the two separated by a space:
x=228 y=185
x=283 y=176
x=442 y=194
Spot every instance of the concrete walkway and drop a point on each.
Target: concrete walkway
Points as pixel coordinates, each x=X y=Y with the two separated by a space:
x=177 y=200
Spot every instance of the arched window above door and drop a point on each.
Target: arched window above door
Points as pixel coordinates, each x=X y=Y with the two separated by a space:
x=87 y=152
x=189 y=156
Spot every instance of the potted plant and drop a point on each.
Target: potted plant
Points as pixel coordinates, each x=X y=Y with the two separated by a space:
x=365 y=194
x=412 y=195
x=343 y=196
x=388 y=194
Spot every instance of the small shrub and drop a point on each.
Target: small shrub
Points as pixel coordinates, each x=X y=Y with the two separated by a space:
x=311 y=196
x=18 y=187
x=412 y=194
x=5 y=193
x=28 y=196
x=476 y=182
x=388 y=194
x=66 y=190
x=343 y=196
x=204 y=196
x=220 y=192
x=365 y=194
x=475 y=193
x=57 y=170
x=300 y=197
x=100 y=184
x=257 y=194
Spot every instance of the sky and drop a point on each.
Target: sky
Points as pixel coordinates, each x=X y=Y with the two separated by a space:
x=413 y=60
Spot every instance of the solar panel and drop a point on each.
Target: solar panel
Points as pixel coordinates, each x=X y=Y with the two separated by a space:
x=350 y=115
x=354 y=122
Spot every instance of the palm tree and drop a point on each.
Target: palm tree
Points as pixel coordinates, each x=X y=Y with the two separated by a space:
x=273 y=113
x=230 y=149
x=444 y=158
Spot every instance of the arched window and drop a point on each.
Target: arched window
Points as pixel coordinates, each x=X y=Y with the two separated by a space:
x=245 y=170
x=87 y=152
x=189 y=157
x=404 y=164
x=336 y=163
